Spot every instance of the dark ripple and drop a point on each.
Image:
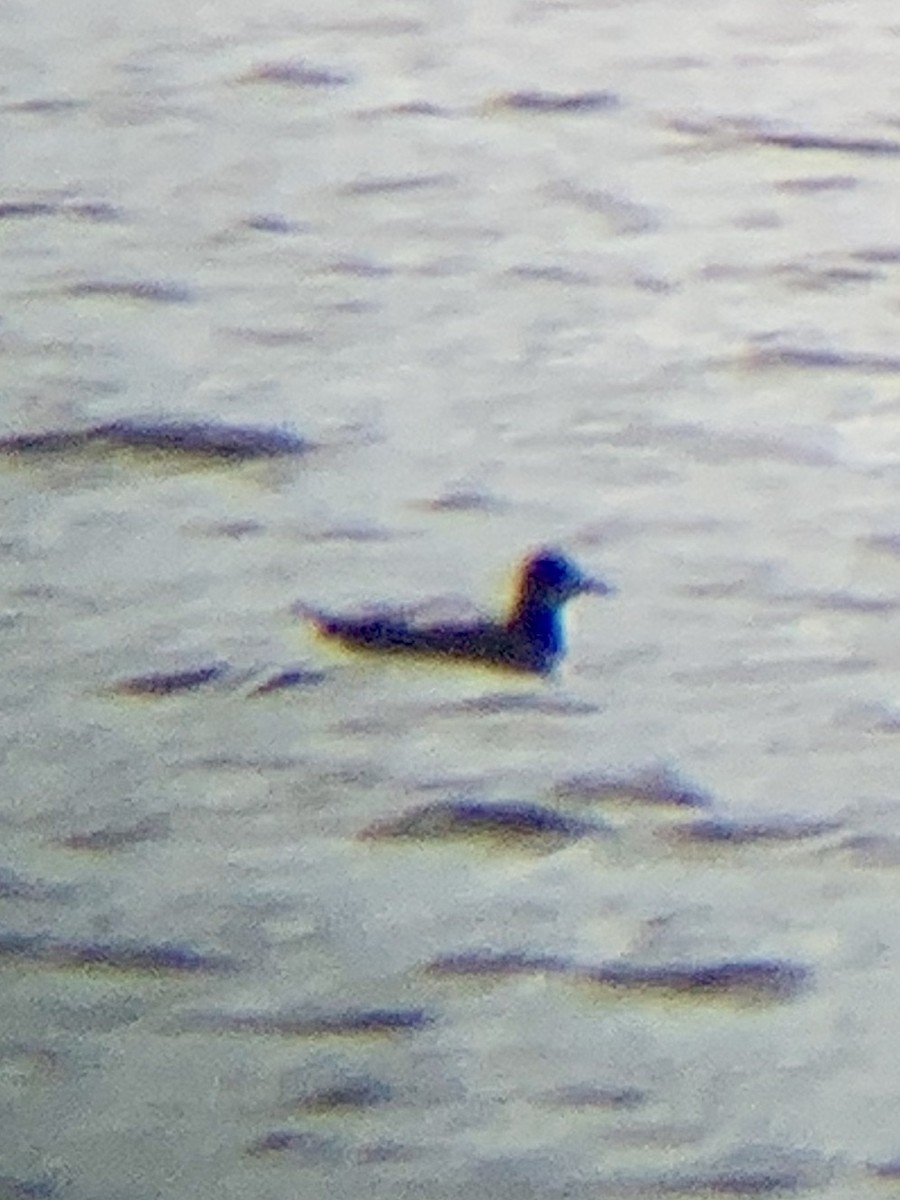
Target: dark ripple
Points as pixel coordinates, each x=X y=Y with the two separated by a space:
x=285 y=336
x=152 y=291
x=867 y=147
x=117 y=837
x=252 y=763
x=495 y=704
x=317 y=1148
x=169 y=684
x=93 y=210
x=718 y=831
x=734 y=1182
x=412 y=108
x=46 y=105
x=819 y=183
x=14 y=209
x=784 y=670
x=387 y=1151
x=359 y=268
x=557 y=102
x=226 y=529
x=749 y=979
x=141 y=957
x=623 y=215
x=808 y=277
x=888 y=543
x=163 y=958
x=14 y=886
x=656 y=786
x=349 y=533
x=886 y=255
x=200 y=439
x=292 y=678
x=393 y=185
x=886 y=1170
x=757 y=978
x=748 y=133
x=84 y=210
x=824 y=360
x=12 y=1188
x=296 y=72
x=844 y=602
x=351 y=1094
x=553 y=273
x=806 y=446
x=463 y=499
x=95 y=1015
x=873 y=850
x=510 y=822
x=873 y=717
x=272 y=223
x=751 y=1170
x=587 y=1095
x=349 y=1022
x=500 y=964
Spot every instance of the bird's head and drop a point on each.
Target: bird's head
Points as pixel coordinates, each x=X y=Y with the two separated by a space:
x=551 y=576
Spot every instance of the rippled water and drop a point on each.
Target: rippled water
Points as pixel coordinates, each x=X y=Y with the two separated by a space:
x=279 y=922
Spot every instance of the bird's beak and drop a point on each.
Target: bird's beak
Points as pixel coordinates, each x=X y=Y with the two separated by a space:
x=596 y=587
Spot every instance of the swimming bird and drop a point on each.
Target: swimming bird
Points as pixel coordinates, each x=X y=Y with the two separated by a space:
x=529 y=639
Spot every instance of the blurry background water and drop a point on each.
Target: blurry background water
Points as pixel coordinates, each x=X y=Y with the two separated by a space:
x=621 y=277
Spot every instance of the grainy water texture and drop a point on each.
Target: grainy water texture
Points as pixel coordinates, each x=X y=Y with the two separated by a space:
x=341 y=304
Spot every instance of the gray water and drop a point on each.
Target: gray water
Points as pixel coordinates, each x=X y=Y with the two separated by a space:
x=616 y=277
